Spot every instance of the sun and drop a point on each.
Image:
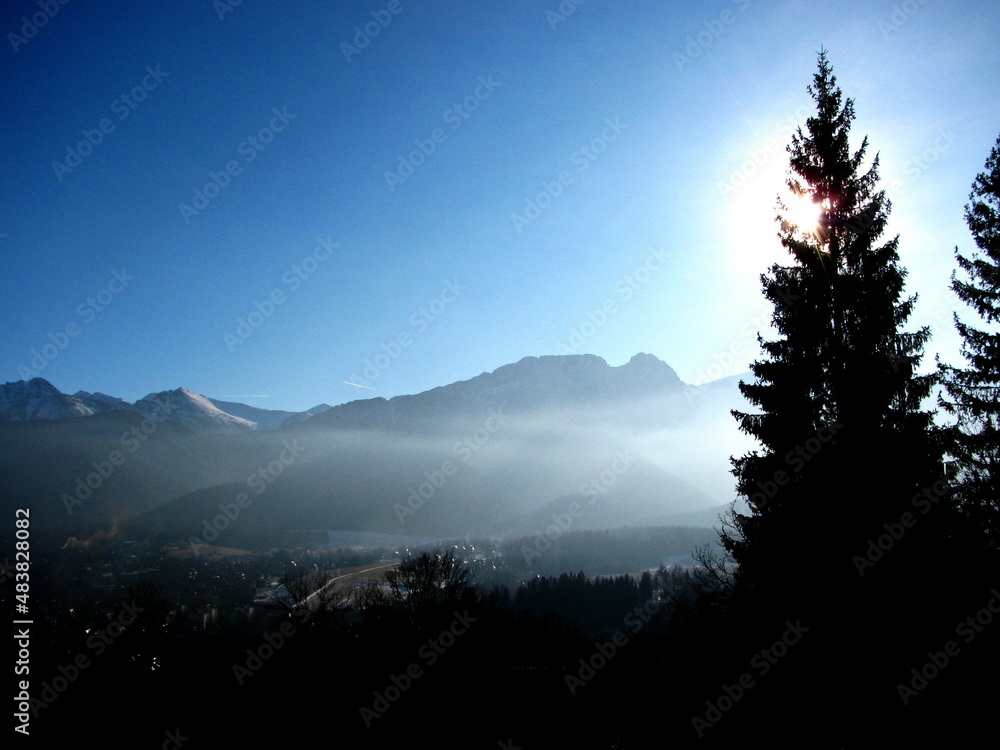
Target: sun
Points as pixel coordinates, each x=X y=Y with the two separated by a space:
x=750 y=211
x=801 y=211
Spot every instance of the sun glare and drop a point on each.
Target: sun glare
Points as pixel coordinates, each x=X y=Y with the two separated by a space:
x=751 y=210
x=802 y=212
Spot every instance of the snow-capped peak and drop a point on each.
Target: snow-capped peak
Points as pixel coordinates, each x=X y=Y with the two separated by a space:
x=38 y=399
x=192 y=410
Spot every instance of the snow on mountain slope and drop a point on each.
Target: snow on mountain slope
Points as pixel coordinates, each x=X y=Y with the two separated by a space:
x=39 y=399
x=192 y=410
x=99 y=403
x=265 y=419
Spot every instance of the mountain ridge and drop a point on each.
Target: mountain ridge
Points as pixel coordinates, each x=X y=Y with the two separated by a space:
x=530 y=382
x=486 y=455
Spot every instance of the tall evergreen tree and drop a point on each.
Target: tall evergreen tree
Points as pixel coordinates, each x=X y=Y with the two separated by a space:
x=846 y=451
x=844 y=442
x=973 y=392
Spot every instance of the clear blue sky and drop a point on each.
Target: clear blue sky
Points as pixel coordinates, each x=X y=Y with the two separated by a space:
x=655 y=125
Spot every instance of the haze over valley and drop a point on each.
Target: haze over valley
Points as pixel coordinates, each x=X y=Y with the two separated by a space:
x=495 y=455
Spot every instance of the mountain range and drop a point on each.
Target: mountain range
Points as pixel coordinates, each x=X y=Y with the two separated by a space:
x=502 y=453
x=39 y=399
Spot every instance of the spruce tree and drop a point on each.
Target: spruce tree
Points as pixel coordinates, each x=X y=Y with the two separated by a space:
x=844 y=443
x=973 y=392
x=845 y=448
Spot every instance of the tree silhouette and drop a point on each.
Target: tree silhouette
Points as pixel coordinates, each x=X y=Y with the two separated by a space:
x=314 y=598
x=422 y=590
x=843 y=438
x=845 y=448
x=973 y=392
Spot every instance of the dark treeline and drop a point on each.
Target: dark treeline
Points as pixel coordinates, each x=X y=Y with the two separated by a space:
x=428 y=650
x=607 y=552
x=594 y=605
x=550 y=552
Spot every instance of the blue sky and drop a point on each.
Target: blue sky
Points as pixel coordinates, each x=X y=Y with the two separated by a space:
x=405 y=194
